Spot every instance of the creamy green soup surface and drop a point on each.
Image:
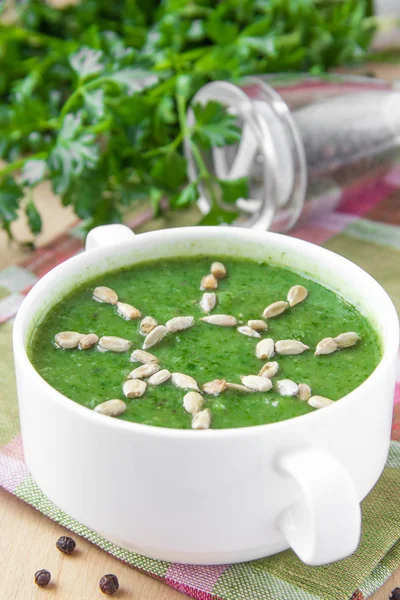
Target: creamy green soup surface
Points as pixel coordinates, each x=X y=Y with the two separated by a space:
x=170 y=288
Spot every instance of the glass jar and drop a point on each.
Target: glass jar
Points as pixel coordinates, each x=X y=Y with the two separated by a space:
x=304 y=141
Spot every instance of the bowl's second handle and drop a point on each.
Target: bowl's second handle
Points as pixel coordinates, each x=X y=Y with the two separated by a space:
x=326 y=525
x=107 y=235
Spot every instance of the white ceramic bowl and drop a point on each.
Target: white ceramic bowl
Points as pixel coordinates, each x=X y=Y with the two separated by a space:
x=211 y=496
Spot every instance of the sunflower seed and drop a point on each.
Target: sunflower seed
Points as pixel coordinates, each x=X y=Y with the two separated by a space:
x=193 y=402
x=184 y=382
x=257 y=383
x=248 y=331
x=147 y=325
x=209 y=282
x=265 y=348
x=257 y=325
x=208 y=301
x=179 y=323
x=297 y=294
x=111 y=408
x=290 y=347
x=238 y=387
x=326 y=346
x=127 y=311
x=68 y=339
x=218 y=270
x=221 y=320
x=160 y=377
x=155 y=336
x=304 y=392
x=105 y=294
x=144 y=371
x=202 y=419
x=87 y=341
x=134 y=388
x=319 y=401
x=275 y=309
x=143 y=357
x=269 y=370
x=287 y=387
x=214 y=387
x=113 y=343
x=345 y=340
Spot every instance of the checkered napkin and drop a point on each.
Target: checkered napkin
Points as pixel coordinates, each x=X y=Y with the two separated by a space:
x=366 y=229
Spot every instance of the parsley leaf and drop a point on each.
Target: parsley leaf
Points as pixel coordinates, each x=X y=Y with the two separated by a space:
x=86 y=62
x=74 y=152
x=33 y=171
x=10 y=195
x=214 y=126
x=33 y=216
x=233 y=189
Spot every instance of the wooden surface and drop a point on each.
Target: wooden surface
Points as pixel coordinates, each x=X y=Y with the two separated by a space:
x=27 y=538
x=27 y=544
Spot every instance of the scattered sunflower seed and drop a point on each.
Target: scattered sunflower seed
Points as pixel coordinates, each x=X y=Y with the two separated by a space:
x=290 y=347
x=147 y=325
x=134 y=388
x=238 y=387
x=319 y=401
x=208 y=301
x=214 y=387
x=265 y=348
x=143 y=357
x=209 y=282
x=218 y=270
x=269 y=370
x=160 y=377
x=113 y=343
x=257 y=383
x=257 y=325
x=146 y=370
x=202 y=419
x=345 y=340
x=245 y=330
x=184 y=382
x=326 y=346
x=221 y=320
x=68 y=339
x=297 y=294
x=304 y=392
x=111 y=408
x=87 y=341
x=105 y=295
x=275 y=309
x=193 y=402
x=179 y=323
x=155 y=336
x=287 y=387
x=127 y=311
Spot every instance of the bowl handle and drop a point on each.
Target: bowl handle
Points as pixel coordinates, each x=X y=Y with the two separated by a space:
x=325 y=525
x=108 y=235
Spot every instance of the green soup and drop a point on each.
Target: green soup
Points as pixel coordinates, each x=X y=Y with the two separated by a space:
x=170 y=288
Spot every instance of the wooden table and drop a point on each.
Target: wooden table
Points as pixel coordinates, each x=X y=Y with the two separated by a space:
x=27 y=538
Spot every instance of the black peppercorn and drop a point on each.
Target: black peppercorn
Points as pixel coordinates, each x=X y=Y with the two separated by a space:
x=66 y=544
x=109 y=584
x=42 y=577
x=395 y=594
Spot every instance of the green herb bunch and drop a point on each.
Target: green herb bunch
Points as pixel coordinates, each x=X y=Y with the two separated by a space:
x=93 y=96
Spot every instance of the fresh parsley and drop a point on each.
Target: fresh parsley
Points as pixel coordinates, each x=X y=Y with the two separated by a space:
x=93 y=96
